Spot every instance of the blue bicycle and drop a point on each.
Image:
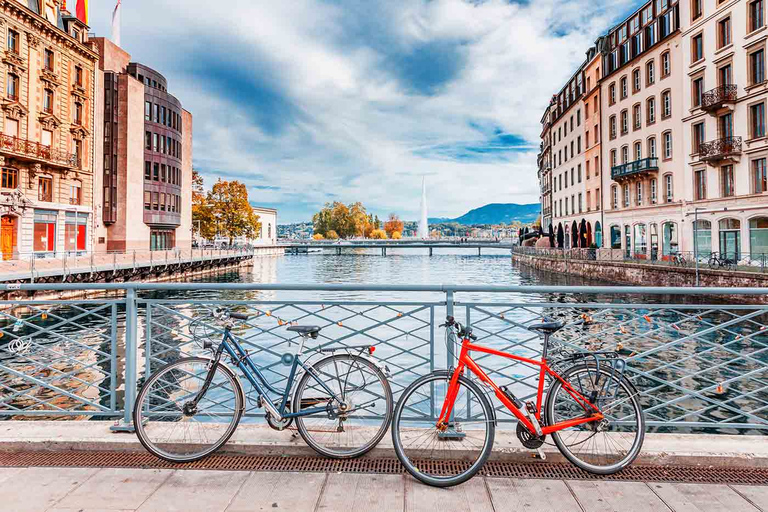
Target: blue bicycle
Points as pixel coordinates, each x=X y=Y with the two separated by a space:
x=190 y=407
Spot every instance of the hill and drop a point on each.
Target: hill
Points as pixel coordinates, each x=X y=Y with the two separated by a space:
x=496 y=213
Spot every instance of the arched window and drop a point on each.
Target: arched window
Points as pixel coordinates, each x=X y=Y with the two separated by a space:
x=666 y=104
x=654 y=241
x=598 y=234
x=613 y=157
x=627 y=242
x=669 y=193
x=614 y=197
x=639 y=193
x=666 y=139
x=730 y=239
x=615 y=237
x=624 y=121
x=652 y=147
x=650 y=72
x=624 y=154
x=650 y=110
x=612 y=126
x=702 y=234
x=638 y=150
x=654 y=191
x=567 y=237
x=669 y=244
x=626 y=195
x=641 y=244
x=758 y=238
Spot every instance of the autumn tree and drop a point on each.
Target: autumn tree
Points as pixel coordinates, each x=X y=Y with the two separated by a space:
x=203 y=220
x=379 y=234
x=393 y=224
x=345 y=220
x=232 y=212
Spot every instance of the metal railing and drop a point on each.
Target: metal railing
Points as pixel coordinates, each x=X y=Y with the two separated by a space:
x=698 y=361
x=635 y=167
x=755 y=262
x=36 y=150
x=720 y=148
x=717 y=97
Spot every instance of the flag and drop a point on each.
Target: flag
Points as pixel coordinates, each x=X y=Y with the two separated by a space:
x=81 y=11
x=116 y=24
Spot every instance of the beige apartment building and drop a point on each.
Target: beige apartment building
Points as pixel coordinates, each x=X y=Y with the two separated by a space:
x=724 y=133
x=544 y=162
x=593 y=159
x=46 y=140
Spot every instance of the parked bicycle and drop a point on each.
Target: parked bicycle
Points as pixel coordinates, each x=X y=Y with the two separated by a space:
x=444 y=425
x=189 y=408
x=678 y=259
x=716 y=260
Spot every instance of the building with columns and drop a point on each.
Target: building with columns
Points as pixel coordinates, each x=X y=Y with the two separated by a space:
x=47 y=131
x=143 y=183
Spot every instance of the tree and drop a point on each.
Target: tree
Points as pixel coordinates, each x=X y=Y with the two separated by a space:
x=345 y=220
x=203 y=220
x=379 y=234
x=232 y=212
x=393 y=224
x=396 y=235
x=332 y=235
x=317 y=236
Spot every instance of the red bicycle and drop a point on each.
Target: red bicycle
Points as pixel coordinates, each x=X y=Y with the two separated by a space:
x=592 y=412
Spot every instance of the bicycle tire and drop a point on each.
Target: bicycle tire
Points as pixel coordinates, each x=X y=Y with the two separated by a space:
x=567 y=452
x=306 y=433
x=487 y=447
x=139 y=425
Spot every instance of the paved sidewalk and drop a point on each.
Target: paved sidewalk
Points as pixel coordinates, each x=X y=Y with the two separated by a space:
x=115 y=489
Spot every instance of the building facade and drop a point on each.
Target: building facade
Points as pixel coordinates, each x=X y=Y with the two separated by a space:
x=47 y=140
x=143 y=186
x=268 y=220
x=723 y=51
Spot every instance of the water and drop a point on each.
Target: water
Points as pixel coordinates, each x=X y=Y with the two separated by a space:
x=696 y=355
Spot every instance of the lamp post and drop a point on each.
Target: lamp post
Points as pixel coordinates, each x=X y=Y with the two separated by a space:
x=696 y=240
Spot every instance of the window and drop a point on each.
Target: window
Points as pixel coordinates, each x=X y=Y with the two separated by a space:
x=758 y=237
x=702 y=231
x=79 y=76
x=580 y=206
x=726 y=181
x=13 y=41
x=698 y=91
x=666 y=65
x=759 y=176
x=667 y=136
x=624 y=154
x=147 y=200
x=638 y=151
x=155 y=142
x=652 y=147
x=624 y=122
x=147 y=111
x=48 y=60
x=612 y=127
x=639 y=193
x=666 y=104
x=613 y=158
x=700 y=185
x=725 y=75
x=44 y=231
x=696 y=9
x=654 y=191
x=624 y=89
x=75 y=192
x=614 y=197
x=578 y=118
x=668 y=190
x=612 y=93
x=578 y=144
x=698 y=137
x=626 y=196
x=636 y=120
x=724 y=32
x=650 y=73
x=578 y=170
x=636 y=80
x=757 y=120
x=48 y=101
x=147 y=170
x=10 y=178
x=725 y=124
x=78 y=147
x=156 y=172
x=156 y=117
x=13 y=87
x=148 y=140
x=45 y=189
x=755 y=15
x=641 y=244
x=697 y=48
x=155 y=201
x=756 y=67
x=651 y=108
x=78 y=113
x=162 y=201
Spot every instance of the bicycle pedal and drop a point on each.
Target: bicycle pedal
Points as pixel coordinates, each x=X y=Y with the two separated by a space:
x=542 y=455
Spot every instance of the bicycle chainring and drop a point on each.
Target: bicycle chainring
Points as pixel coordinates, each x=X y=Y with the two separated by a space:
x=278 y=425
x=530 y=441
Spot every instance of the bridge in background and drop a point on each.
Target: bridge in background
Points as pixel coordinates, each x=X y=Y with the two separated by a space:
x=305 y=246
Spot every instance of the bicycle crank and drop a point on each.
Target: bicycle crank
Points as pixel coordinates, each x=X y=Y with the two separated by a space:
x=528 y=439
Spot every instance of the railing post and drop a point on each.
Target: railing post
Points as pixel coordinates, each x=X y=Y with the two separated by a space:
x=451 y=357
x=131 y=351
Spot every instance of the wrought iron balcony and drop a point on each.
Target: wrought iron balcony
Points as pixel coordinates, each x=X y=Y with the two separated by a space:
x=719 y=96
x=720 y=149
x=27 y=149
x=636 y=168
x=545 y=188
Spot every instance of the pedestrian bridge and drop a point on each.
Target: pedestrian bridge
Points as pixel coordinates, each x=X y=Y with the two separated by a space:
x=303 y=247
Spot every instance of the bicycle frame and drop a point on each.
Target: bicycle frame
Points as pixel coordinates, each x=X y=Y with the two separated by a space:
x=245 y=364
x=465 y=361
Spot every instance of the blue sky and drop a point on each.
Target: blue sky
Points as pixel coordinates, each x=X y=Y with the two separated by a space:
x=309 y=101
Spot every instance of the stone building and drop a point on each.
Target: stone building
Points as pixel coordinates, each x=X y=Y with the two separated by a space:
x=46 y=140
x=144 y=179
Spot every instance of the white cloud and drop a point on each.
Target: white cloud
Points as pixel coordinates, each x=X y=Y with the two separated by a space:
x=343 y=100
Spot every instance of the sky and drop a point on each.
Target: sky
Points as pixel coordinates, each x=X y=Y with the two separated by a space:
x=311 y=101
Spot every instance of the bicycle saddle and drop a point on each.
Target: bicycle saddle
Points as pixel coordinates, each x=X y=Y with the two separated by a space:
x=547 y=327
x=306 y=330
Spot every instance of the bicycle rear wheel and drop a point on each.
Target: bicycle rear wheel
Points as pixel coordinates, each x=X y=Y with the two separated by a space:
x=357 y=421
x=442 y=457
x=171 y=426
x=603 y=447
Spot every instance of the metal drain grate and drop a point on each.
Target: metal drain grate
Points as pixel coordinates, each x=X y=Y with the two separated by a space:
x=753 y=476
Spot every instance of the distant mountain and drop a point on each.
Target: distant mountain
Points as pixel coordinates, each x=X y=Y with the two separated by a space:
x=496 y=213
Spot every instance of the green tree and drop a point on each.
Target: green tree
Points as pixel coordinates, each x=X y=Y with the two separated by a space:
x=232 y=212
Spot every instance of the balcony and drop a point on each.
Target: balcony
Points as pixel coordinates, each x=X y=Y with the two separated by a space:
x=546 y=188
x=34 y=151
x=720 y=149
x=633 y=169
x=712 y=101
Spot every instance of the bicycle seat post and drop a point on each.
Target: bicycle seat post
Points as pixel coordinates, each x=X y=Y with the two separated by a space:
x=545 y=347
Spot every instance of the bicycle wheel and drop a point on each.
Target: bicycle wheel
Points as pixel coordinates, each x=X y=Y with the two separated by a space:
x=604 y=447
x=713 y=263
x=442 y=457
x=171 y=427
x=355 y=421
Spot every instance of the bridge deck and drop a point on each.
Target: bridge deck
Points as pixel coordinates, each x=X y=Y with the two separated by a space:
x=120 y=489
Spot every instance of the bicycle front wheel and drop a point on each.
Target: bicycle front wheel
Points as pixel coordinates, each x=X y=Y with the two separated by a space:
x=352 y=418
x=601 y=447
x=446 y=455
x=168 y=422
